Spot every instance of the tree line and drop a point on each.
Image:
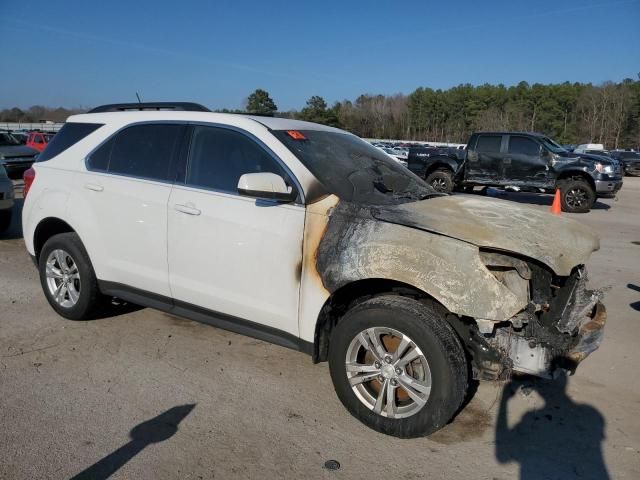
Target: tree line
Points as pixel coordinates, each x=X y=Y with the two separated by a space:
x=608 y=113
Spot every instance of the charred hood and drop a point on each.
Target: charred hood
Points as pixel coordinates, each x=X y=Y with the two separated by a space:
x=558 y=242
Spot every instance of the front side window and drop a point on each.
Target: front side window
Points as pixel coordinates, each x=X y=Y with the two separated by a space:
x=218 y=157
x=143 y=151
x=489 y=144
x=523 y=146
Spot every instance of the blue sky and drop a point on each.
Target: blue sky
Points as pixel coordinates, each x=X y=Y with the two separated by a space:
x=84 y=53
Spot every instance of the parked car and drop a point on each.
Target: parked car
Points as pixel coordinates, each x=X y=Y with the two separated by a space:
x=20 y=136
x=522 y=162
x=39 y=140
x=15 y=158
x=589 y=147
x=6 y=199
x=630 y=161
x=307 y=236
x=394 y=154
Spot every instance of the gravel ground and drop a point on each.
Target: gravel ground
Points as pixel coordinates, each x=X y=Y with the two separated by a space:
x=71 y=394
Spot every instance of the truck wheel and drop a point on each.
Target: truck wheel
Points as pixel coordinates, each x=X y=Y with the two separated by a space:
x=398 y=366
x=5 y=220
x=576 y=195
x=441 y=180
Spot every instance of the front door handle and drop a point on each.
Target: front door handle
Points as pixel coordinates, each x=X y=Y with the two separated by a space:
x=189 y=210
x=93 y=186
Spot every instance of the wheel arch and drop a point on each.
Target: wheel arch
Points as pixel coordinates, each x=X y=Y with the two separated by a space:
x=47 y=228
x=440 y=163
x=344 y=298
x=571 y=174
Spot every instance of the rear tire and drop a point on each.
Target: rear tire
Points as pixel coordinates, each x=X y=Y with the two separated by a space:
x=576 y=195
x=439 y=367
x=67 y=278
x=5 y=220
x=441 y=180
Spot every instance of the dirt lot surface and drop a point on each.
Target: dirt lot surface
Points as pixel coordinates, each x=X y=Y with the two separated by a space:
x=104 y=397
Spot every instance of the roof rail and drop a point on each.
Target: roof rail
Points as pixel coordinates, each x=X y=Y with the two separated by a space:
x=175 y=106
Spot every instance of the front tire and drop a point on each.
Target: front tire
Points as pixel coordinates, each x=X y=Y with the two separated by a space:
x=441 y=180
x=576 y=195
x=398 y=366
x=67 y=277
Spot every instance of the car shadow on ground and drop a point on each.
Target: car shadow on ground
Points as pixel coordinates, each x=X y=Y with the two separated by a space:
x=560 y=440
x=534 y=198
x=155 y=430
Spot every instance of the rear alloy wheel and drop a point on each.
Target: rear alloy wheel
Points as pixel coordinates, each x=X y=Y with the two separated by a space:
x=63 y=278
x=441 y=180
x=576 y=196
x=68 y=279
x=398 y=366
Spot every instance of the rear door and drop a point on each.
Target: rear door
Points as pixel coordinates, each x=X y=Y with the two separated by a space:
x=229 y=253
x=485 y=164
x=524 y=163
x=126 y=190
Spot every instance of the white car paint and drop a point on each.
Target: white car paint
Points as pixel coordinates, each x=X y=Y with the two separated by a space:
x=233 y=256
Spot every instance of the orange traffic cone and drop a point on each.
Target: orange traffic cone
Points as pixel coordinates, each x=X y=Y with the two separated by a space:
x=556 y=206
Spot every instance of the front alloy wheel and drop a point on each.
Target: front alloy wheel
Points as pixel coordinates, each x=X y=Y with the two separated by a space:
x=397 y=365
x=388 y=372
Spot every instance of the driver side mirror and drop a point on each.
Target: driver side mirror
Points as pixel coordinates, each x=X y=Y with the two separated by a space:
x=266 y=186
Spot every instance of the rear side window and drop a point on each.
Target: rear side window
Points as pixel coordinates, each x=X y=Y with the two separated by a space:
x=523 y=146
x=144 y=151
x=489 y=143
x=69 y=134
x=218 y=157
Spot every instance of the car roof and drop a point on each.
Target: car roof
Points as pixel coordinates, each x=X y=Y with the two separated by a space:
x=126 y=117
x=532 y=134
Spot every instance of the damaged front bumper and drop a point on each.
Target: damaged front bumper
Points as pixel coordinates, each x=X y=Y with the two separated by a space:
x=556 y=335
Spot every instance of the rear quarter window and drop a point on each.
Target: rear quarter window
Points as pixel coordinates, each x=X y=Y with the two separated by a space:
x=69 y=135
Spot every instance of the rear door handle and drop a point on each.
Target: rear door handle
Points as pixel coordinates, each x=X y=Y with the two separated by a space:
x=93 y=186
x=189 y=210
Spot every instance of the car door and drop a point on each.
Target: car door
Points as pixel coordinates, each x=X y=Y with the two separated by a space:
x=525 y=162
x=485 y=160
x=126 y=190
x=228 y=253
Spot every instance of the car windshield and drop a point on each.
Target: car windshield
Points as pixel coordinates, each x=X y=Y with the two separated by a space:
x=553 y=146
x=353 y=169
x=7 y=139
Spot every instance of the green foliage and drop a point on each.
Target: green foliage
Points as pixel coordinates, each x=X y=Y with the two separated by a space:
x=316 y=111
x=259 y=102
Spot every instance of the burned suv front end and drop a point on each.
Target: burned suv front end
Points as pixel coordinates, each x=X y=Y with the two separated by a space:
x=562 y=323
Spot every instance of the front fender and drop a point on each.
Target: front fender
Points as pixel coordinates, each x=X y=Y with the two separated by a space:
x=355 y=247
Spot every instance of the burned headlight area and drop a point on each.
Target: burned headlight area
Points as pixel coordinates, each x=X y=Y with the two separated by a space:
x=561 y=324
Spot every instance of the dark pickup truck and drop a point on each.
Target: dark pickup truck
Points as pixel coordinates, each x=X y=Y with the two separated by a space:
x=520 y=162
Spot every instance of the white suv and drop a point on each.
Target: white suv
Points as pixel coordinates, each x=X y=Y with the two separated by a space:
x=308 y=237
